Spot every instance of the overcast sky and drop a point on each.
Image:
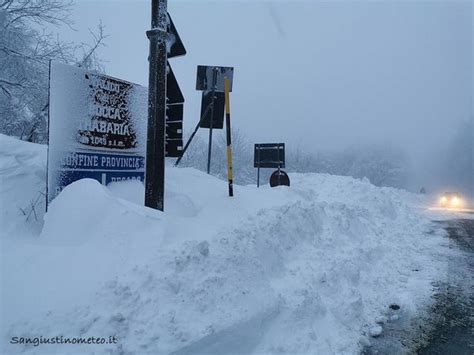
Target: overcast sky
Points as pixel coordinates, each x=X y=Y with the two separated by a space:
x=323 y=75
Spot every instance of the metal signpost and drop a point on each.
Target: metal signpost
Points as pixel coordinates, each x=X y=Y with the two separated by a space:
x=213 y=98
x=230 y=177
x=162 y=80
x=155 y=153
x=270 y=155
x=211 y=80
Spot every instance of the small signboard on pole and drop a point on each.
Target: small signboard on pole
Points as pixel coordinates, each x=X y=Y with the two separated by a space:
x=270 y=155
x=214 y=81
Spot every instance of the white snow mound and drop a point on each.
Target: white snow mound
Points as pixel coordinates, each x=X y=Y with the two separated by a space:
x=301 y=270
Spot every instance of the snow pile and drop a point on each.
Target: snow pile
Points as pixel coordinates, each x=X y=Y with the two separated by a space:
x=301 y=270
x=22 y=185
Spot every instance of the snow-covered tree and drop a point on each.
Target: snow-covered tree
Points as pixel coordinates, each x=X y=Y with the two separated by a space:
x=26 y=46
x=382 y=165
x=196 y=156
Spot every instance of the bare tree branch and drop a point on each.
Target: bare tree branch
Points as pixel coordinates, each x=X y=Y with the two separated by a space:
x=98 y=41
x=38 y=11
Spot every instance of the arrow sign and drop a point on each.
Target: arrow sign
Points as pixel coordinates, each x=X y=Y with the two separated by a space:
x=173 y=92
x=175 y=46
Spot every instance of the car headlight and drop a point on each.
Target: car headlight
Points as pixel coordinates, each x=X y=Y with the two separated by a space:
x=443 y=199
x=455 y=201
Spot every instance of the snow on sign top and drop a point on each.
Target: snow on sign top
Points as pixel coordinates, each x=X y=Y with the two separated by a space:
x=97 y=128
x=175 y=45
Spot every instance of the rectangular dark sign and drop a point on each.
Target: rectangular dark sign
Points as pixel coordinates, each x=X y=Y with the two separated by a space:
x=269 y=155
x=174 y=130
x=219 y=106
x=174 y=112
x=206 y=75
x=174 y=148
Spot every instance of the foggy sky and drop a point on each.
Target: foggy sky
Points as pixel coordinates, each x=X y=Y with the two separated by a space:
x=321 y=75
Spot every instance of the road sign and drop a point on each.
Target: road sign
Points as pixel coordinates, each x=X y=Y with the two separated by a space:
x=175 y=45
x=96 y=128
x=174 y=130
x=205 y=75
x=269 y=155
x=173 y=92
x=279 y=178
x=174 y=148
x=218 y=112
x=213 y=79
x=174 y=112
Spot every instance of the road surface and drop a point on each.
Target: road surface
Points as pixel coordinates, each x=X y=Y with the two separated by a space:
x=448 y=326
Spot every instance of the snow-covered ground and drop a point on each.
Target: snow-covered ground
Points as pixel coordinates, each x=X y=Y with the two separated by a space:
x=309 y=269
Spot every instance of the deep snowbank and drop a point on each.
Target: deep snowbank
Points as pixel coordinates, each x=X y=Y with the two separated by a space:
x=307 y=269
x=22 y=183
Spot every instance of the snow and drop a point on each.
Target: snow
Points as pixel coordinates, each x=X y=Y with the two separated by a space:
x=375 y=331
x=301 y=270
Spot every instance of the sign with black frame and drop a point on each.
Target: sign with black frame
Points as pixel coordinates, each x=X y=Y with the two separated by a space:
x=269 y=155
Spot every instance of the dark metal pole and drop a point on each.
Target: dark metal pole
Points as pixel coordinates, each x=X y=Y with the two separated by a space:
x=155 y=155
x=258 y=169
x=230 y=168
x=279 y=166
x=209 y=153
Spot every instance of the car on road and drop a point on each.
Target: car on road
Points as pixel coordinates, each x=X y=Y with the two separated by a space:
x=451 y=200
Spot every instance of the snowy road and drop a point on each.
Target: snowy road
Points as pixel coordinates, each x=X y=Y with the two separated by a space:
x=447 y=327
x=453 y=332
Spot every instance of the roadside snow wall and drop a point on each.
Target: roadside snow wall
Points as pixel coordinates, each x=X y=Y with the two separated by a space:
x=300 y=270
